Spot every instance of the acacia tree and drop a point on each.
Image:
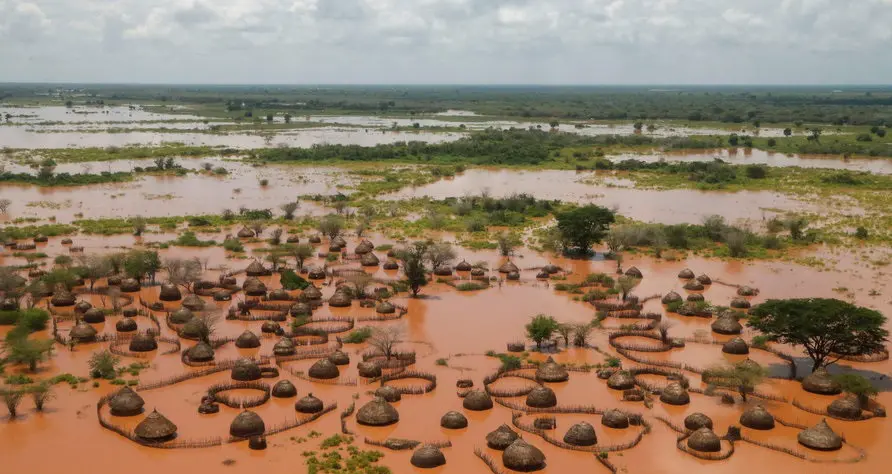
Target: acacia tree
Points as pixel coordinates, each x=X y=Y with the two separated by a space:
x=413 y=266
x=300 y=252
x=856 y=385
x=439 y=254
x=740 y=376
x=384 y=339
x=625 y=284
x=331 y=226
x=183 y=272
x=94 y=267
x=540 y=328
x=289 y=209
x=828 y=329
x=30 y=352
x=583 y=226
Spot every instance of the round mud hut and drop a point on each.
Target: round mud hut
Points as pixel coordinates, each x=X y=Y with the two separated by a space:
x=391 y=265
x=694 y=285
x=309 y=405
x=522 y=456
x=634 y=272
x=389 y=393
x=705 y=441
x=736 y=346
x=254 y=287
x=94 y=316
x=312 y=293
x=847 y=408
x=704 y=279
x=695 y=298
x=821 y=382
x=364 y=247
x=385 y=307
x=477 y=400
x=256 y=269
x=671 y=297
x=130 y=285
x=453 y=420
x=727 y=324
x=126 y=403
x=301 y=309
x=695 y=421
x=820 y=437
x=757 y=418
x=193 y=302
x=369 y=260
x=245 y=370
x=621 y=380
x=284 y=389
x=201 y=352
x=541 y=397
x=428 y=457
x=340 y=300
x=324 y=369
x=463 y=266
x=181 y=316
x=62 y=297
x=279 y=294
x=126 y=325
x=247 y=424
x=581 y=434
x=169 y=292
x=615 y=419
x=686 y=274
x=369 y=369
x=339 y=357
x=500 y=438
x=675 y=394
x=284 y=347
x=247 y=340
x=551 y=372
x=82 y=307
x=82 y=332
x=155 y=427
x=551 y=269
x=747 y=291
x=143 y=342
x=377 y=413
x=508 y=267
x=245 y=233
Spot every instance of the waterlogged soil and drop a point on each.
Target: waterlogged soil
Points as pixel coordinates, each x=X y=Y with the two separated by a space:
x=461 y=327
x=28 y=115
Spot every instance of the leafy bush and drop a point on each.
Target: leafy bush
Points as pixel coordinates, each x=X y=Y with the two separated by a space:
x=292 y=281
x=358 y=336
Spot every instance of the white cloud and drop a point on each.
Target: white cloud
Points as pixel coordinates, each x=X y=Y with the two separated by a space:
x=463 y=41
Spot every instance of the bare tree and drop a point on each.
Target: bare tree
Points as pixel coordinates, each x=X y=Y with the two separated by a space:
x=581 y=333
x=331 y=226
x=625 y=284
x=183 y=272
x=12 y=285
x=257 y=227
x=565 y=330
x=139 y=225
x=208 y=326
x=301 y=252
x=664 y=331
x=362 y=281
x=275 y=236
x=385 y=338
x=4 y=205
x=289 y=209
x=440 y=253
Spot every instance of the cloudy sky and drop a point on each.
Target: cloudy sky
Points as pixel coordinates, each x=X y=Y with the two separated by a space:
x=448 y=41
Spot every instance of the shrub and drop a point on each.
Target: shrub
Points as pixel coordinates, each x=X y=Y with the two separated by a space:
x=861 y=233
x=358 y=336
x=103 y=364
x=756 y=171
x=233 y=245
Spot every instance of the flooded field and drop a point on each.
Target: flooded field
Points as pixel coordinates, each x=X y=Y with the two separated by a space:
x=448 y=333
x=84 y=114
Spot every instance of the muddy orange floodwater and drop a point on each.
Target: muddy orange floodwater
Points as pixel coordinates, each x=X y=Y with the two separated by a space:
x=443 y=338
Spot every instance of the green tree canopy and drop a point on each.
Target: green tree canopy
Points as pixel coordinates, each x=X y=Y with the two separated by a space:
x=827 y=328
x=540 y=328
x=413 y=259
x=583 y=226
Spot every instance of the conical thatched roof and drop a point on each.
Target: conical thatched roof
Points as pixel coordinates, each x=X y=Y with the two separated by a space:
x=552 y=372
x=193 y=329
x=181 y=316
x=82 y=306
x=551 y=269
x=695 y=421
x=740 y=303
x=245 y=370
x=377 y=413
x=671 y=297
x=478 y=272
x=143 y=342
x=757 y=418
x=155 y=427
x=284 y=389
x=705 y=440
x=256 y=269
x=391 y=265
x=541 y=397
x=222 y=295
x=686 y=274
x=427 y=457
x=247 y=424
x=126 y=325
x=301 y=309
x=293 y=239
x=369 y=260
x=727 y=324
x=169 y=292
x=820 y=437
x=193 y=302
x=621 y=380
x=821 y=382
x=454 y=420
x=364 y=247
x=634 y=272
x=522 y=456
x=82 y=332
x=443 y=270
x=62 y=297
x=201 y=352
x=94 y=316
x=542 y=275
x=126 y=403
x=115 y=280
x=477 y=400
x=254 y=287
x=696 y=297
x=389 y=394
x=245 y=233
x=581 y=434
x=615 y=419
x=285 y=347
x=704 y=279
x=508 y=267
x=501 y=438
x=747 y=291
x=130 y=312
x=316 y=274
x=279 y=294
x=41 y=289
x=694 y=285
x=749 y=363
x=513 y=276
x=847 y=408
x=385 y=307
x=339 y=241
x=463 y=266
x=675 y=394
x=312 y=292
x=324 y=369
x=340 y=300
x=369 y=369
x=270 y=327
x=339 y=358
x=130 y=285
x=309 y=404
x=736 y=346
x=315 y=239
x=247 y=340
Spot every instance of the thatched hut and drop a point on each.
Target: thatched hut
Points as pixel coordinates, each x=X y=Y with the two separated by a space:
x=522 y=456
x=339 y=241
x=377 y=413
x=581 y=434
x=301 y=309
x=194 y=329
x=126 y=325
x=551 y=269
x=285 y=347
x=339 y=357
x=705 y=440
x=169 y=292
x=634 y=272
x=312 y=293
x=740 y=303
x=245 y=233
x=279 y=294
x=694 y=285
x=270 y=327
x=671 y=297
x=126 y=403
x=222 y=295
x=284 y=389
x=695 y=421
x=704 y=279
x=696 y=297
x=364 y=247
x=62 y=297
x=478 y=272
x=463 y=266
x=542 y=275
x=508 y=267
x=391 y=265
x=130 y=285
x=247 y=340
x=245 y=370
x=736 y=346
x=82 y=307
x=477 y=400
x=324 y=369
x=615 y=419
x=747 y=291
x=340 y=299
x=675 y=394
x=546 y=423
x=541 y=397
x=292 y=239
x=513 y=276
x=727 y=324
x=316 y=274
x=94 y=316
x=315 y=239
x=254 y=287
x=115 y=280
x=443 y=270
x=82 y=332
x=155 y=427
x=369 y=260
x=621 y=380
x=309 y=405
x=847 y=408
x=66 y=241
x=821 y=382
x=502 y=437
x=757 y=418
x=247 y=424
x=820 y=437
x=181 y=316
x=143 y=342
x=427 y=457
x=201 y=352
x=40 y=239
x=385 y=307
x=193 y=302
x=389 y=393
x=130 y=312
x=369 y=369
x=686 y=274
x=454 y=420
x=552 y=372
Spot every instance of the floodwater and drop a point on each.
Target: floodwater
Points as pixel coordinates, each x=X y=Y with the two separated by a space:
x=459 y=327
x=79 y=114
x=667 y=207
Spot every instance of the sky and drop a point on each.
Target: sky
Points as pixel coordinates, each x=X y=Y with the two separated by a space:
x=447 y=41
